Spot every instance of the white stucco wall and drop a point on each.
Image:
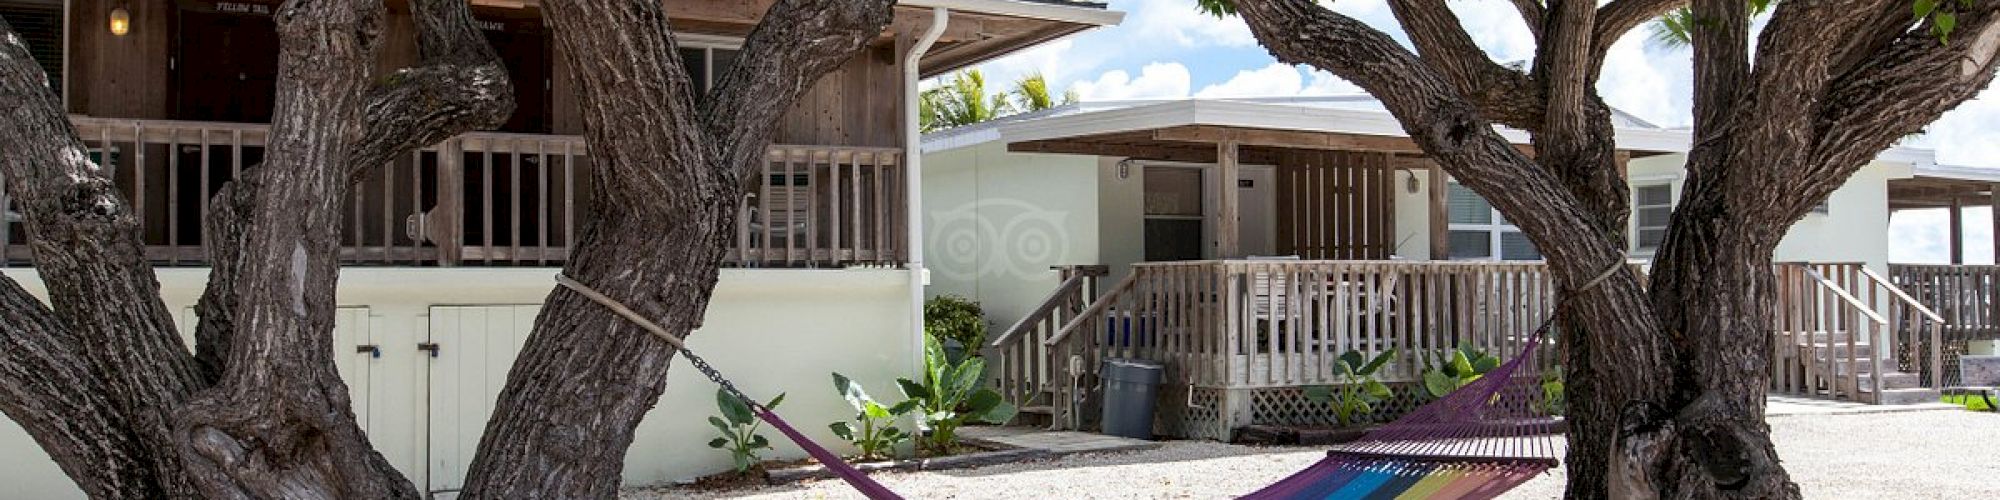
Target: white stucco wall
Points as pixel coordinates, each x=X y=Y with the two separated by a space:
x=995 y=222
x=809 y=322
x=1855 y=229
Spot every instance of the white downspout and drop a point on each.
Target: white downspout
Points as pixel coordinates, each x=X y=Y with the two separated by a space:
x=913 y=163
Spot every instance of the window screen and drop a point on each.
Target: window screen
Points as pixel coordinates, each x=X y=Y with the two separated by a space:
x=1652 y=207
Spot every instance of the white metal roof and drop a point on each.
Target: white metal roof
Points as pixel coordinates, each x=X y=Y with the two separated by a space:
x=1069 y=12
x=1352 y=114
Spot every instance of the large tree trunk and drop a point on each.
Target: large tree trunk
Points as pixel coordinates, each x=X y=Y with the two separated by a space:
x=1667 y=390
x=672 y=176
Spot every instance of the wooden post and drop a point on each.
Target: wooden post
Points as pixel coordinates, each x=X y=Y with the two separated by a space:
x=1993 y=190
x=1957 y=231
x=448 y=218
x=1440 y=222
x=1228 y=237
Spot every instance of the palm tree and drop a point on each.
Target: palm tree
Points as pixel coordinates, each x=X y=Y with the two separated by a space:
x=962 y=100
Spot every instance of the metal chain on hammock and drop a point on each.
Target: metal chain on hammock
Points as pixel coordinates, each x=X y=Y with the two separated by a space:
x=661 y=332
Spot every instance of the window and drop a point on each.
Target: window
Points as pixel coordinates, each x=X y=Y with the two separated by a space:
x=1477 y=231
x=1174 y=224
x=707 y=59
x=1652 y=206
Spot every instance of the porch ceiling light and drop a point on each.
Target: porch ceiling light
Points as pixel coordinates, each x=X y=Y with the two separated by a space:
x=121 y=21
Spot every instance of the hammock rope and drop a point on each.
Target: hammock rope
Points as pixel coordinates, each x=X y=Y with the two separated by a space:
x=854 y=477
x=1474 y=443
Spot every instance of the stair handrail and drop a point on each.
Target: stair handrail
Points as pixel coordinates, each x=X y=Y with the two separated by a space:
x=1062 y=293
x=1934 y=332
x=1096 y=308
x=1850 y=299
x=1899 y=294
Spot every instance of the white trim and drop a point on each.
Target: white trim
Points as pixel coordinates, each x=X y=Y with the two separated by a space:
x=703 y=41
x=1091 y=118
x=1094 y=16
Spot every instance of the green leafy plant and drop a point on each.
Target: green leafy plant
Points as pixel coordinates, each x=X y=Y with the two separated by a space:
x=949 y=396
x=958 y=320
x=1552 y=402
x=1454 y=368
x=739 y=429
x=1358 y=391
x=873 y=430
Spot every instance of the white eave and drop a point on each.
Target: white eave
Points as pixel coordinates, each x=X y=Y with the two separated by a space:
x=1094 y=16
x=1078 y=120
x=1959 y=172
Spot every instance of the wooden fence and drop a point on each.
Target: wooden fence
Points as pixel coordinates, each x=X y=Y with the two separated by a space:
x=1269 y=324
x=1964 y=296
x=492 y=199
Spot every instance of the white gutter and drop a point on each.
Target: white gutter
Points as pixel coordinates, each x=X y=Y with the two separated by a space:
x=913 y=163
x=1029 y=10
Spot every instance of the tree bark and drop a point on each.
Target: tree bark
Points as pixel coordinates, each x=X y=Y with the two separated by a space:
x=1667 y=384
x=673 y=174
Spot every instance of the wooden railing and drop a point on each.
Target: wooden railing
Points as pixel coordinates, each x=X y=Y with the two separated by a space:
x=1020 y=361
x=1964 y=297
x=1257 y=324
x=1840 y=329
x=493 y=199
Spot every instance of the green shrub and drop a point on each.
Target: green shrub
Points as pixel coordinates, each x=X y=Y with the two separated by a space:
x=954 y=318
x=1454 y=368
x=949 y=397
x=1553 y=402
x=1358 y=391
x=739 y=429
x=873 y=430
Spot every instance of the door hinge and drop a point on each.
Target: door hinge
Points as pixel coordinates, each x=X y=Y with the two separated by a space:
x=430 y=347
x=372 y=350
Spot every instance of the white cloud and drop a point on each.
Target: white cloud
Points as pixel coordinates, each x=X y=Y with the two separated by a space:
x=1324 y=83
x=1178 y=21
x=1155 y=81
x=1923 y=236
x=1278 y=79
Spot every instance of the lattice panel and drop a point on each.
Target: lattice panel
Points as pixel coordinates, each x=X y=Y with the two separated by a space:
x=1290 y=406
x=1204 y=419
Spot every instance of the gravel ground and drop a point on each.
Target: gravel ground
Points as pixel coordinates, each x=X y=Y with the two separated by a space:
x=1934 y=454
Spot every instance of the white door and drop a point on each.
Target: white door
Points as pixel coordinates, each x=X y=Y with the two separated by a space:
x=475 y=346
x=1257 y=210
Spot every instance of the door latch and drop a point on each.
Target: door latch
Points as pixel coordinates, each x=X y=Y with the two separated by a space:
x=429 y=347
x=372 y=350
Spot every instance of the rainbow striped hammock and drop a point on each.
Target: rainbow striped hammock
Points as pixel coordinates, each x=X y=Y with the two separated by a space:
x=1477 y=442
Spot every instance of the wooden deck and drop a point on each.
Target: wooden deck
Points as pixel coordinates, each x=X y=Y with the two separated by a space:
x=1239 y=338
x=494 y=199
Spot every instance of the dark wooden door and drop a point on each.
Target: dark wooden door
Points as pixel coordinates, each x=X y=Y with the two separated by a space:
x=225 y=66
x=525 y=52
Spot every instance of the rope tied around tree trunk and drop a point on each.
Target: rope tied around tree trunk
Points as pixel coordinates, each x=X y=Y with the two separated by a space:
x=658 y=331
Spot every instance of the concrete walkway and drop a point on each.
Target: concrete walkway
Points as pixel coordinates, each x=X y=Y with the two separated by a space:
x=1056 y=442
x=1784 y=406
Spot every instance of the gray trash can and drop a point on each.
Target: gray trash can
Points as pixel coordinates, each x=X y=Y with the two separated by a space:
x=1131 y=386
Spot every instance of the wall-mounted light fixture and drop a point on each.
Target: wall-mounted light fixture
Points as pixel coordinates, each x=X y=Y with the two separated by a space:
x=1411 y=184
x=1125 y=168
x=121 y=21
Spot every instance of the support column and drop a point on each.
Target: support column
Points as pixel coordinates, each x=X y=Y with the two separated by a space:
x=1994 y=191
x=1957 y=231
x=1228 y=238
x=1440 y=221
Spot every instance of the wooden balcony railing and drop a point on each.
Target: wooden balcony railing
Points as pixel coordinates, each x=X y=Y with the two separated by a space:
x=493 y=199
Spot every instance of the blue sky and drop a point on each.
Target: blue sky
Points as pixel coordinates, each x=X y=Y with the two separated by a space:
x=1165 y=49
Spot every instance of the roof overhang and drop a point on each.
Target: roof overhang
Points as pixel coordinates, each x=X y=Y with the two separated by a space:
x=1943 y=186
x=982 y=30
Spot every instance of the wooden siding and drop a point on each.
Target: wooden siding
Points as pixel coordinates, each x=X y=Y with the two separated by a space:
x=1336 y=205
x=133 y=76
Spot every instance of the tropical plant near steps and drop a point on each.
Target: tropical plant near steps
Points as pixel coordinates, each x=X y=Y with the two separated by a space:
x=103 y=383
x=1449 y=370
x=1358 y=391
x=738 y=425
x=1680 y=360
x=873 y=430
x=950 y=396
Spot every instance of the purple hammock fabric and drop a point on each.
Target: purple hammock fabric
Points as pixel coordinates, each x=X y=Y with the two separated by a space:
x=854 y=477
x=1491 y=435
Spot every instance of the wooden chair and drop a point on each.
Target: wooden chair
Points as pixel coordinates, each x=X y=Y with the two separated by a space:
x=1978 y=376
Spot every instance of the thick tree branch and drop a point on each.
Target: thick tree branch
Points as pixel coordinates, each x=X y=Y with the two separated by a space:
x=1532 y=14
x=47 y=387
x=1615 y=19
x=1902 y=88
x=769 y=78
x=1504 y=95
x=459 y=85
x=88 y=251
